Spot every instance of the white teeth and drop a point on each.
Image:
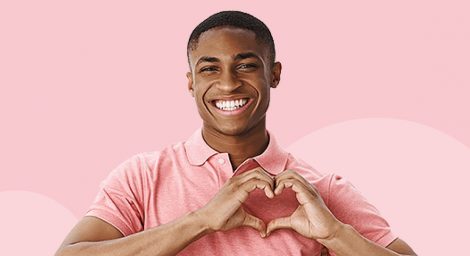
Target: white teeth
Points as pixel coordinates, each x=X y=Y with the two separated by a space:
x=230 y=104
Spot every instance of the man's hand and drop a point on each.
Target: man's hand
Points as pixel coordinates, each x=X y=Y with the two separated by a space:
x=312 y=218
x=225 y=211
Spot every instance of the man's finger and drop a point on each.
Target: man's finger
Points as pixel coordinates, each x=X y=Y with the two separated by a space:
x=291 y=174
x=258 y=173
x=256 y=223
x=261 y=184
x=267 y=189
x=278 y=224
x=303 y=194
x=279 y=188
x=296 y=185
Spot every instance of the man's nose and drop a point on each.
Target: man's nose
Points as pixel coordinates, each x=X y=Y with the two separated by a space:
x=229 y=81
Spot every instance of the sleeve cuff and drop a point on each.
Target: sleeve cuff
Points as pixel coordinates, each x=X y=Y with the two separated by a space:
x=387 y=239
x=112 y=219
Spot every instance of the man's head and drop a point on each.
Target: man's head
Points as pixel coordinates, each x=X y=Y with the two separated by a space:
x=232 y=67
x=234 y=19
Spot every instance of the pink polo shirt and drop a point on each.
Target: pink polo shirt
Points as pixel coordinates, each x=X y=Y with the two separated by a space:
x=153 y=188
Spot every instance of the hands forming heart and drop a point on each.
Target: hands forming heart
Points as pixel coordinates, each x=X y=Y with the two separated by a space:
x=311 y=218
x=238 y=203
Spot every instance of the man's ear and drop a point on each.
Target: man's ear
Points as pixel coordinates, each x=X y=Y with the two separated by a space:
x=189 y=75
x=276 y=74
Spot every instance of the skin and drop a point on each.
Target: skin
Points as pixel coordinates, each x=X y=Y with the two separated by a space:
x=224 y=75
x=226 y=70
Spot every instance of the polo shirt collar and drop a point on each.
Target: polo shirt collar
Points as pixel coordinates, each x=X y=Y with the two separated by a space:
x=273 y=159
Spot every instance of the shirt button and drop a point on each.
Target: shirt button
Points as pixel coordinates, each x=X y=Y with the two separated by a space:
x=221 y=161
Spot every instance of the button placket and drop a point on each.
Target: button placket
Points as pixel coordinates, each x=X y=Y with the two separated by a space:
x=224 y=167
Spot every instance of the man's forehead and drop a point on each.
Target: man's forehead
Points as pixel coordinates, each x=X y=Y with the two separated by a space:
x=227 y=42
x=229 y=30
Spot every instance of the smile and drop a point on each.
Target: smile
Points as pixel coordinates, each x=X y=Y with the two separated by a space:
x=231 y=107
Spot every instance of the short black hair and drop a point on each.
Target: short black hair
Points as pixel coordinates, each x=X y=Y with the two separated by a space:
x=235 y=19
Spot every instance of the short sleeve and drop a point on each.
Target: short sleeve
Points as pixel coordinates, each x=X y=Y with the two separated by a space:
x=350 y=207
x=119 y=199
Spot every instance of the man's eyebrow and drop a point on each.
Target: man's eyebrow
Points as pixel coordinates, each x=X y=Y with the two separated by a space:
x=246 y=55
x=207 y=59
x=240 y=56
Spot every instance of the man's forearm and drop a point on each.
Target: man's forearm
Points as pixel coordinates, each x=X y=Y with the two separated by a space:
x=348 y=242
x=167 y=239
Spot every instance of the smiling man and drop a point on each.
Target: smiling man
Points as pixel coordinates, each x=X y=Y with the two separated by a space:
x=229 y=189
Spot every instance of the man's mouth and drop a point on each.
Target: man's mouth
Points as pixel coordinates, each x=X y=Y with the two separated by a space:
x=230 y=105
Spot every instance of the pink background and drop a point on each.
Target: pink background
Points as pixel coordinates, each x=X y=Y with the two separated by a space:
x=377 y=91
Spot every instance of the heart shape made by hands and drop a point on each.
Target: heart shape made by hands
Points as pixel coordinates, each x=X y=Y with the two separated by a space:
x=265 y=208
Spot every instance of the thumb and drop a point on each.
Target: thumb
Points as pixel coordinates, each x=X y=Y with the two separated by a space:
x=278 y=224
x=256 y=223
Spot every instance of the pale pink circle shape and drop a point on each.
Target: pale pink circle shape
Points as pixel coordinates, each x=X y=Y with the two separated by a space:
x=417 y=176
x=32 y=224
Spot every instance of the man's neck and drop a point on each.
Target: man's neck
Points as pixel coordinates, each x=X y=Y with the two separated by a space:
x=239 y=147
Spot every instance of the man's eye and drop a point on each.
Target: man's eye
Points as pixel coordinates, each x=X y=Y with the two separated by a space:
x=208 y=69
x=247 y=66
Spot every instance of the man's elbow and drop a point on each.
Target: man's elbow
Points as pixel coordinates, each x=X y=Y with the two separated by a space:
x=69 y=250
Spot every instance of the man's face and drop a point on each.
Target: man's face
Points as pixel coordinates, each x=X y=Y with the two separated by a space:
x=230 y=79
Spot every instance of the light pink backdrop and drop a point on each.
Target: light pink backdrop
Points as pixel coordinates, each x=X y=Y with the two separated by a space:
x=377 y=91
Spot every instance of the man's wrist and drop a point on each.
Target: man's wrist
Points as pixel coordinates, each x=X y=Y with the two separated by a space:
x=200 y=222
x=347 y=241
x=341 y=231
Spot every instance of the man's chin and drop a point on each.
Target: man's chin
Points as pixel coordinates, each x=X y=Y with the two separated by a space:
x=235 y=130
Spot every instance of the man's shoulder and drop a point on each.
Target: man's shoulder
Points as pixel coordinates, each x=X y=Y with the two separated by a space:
x=318 y=177
x=168 y=152
x=302 y=166
x=150 y=158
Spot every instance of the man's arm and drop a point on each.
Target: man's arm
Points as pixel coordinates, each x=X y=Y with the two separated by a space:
x=347 y=241
x=92 y=236
x=401 y=247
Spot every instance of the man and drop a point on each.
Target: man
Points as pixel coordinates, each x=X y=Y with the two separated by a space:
x=230 y=189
